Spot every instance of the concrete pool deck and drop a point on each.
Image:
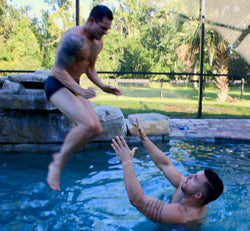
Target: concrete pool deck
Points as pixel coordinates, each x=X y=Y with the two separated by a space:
x=208 y=130
x=233 y=129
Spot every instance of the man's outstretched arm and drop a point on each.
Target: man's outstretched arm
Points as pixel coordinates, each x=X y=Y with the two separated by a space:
x=160 y=159
x=93 y=76
x=152 y=208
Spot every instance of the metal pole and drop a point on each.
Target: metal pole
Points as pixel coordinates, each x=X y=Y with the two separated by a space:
x=77 y=12
x=201 y=57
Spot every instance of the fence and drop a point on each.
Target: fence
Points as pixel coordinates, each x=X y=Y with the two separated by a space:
x=143 y=87
x=242 y=81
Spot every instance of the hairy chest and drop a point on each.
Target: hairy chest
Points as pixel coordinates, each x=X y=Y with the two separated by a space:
x=88 y=52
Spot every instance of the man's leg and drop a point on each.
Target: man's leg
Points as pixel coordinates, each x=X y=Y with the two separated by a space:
x=88 y=127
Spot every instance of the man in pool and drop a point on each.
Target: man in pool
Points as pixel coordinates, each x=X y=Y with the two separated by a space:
x=76 y=54
x=188 y=205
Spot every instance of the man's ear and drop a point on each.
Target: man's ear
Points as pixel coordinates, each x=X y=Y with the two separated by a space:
x=91 y=19
x=198 y=195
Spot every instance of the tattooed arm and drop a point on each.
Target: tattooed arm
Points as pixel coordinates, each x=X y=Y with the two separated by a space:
x=157 y=211
x=67 y=52
x=152 y=208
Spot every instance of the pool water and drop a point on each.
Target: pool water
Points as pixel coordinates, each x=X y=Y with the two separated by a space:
x=93 y=195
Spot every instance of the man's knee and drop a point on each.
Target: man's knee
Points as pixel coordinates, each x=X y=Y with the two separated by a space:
x=94 y=128
x=98 y=129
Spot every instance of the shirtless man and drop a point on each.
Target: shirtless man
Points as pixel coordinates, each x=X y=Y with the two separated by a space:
x=188 y=205
x=77 y=54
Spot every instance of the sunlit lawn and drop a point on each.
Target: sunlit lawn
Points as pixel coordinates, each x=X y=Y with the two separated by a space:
x=176 y=101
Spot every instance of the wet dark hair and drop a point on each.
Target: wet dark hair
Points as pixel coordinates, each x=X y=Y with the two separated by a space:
x=99 y=12
x=213 y=187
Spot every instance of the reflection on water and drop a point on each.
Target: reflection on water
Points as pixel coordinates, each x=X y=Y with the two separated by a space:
x=94 y=195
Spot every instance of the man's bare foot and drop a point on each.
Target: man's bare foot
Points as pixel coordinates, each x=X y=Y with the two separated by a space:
x=54 y=173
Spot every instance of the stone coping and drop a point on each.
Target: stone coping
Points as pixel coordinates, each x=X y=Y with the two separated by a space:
x=230 y=134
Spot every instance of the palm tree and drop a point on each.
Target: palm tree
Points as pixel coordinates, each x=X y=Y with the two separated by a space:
x=220 y=63
x=188 y=51
x=216 y=49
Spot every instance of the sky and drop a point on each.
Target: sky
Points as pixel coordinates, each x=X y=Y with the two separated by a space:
x=38 y=5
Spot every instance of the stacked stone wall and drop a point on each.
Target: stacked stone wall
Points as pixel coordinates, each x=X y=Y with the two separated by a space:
x=28 y=119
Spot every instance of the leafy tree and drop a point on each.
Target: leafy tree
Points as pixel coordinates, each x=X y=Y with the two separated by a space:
x=50 y=28
x=18 y=43
x=146 y=36
x=112 y=54
x=216 y=53
x=134 y=58
x=4 y=33
x=62 y=13
x=238 y=65
x=48 y=34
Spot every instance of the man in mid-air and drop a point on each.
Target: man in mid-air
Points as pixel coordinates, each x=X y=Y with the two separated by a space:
x=76 y=54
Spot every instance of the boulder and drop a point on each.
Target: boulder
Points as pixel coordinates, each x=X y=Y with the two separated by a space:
x=2 y=79
x=12 y=87
x=14 y=94
x=112 y=121
x=45 y=127
x=153 y=124
x=17 y=98
x=37 y=76
x=33 y=127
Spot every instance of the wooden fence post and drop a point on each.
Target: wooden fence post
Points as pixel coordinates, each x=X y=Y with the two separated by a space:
x=116 y=83
x=161 y=89
x=242 y=87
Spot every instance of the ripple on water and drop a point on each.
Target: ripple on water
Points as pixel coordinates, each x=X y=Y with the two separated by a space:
x=94 y=195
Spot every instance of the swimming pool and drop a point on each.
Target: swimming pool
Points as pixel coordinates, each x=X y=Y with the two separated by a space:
x=93 y=194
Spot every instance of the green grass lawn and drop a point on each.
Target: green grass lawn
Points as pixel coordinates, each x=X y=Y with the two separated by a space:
x=176 y=101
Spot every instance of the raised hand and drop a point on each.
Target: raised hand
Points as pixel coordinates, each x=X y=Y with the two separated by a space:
x=141 y=133
x=124 y=154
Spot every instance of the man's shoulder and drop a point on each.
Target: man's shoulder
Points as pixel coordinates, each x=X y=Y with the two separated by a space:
x=174 y=213
x=74 y=31
x=179 y=213
x=71 y=38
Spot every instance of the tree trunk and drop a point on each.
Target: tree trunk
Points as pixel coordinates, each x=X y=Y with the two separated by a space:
x=222 y=88
x=221 y=65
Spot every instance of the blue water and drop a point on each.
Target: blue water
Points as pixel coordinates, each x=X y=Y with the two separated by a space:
x=93 y=195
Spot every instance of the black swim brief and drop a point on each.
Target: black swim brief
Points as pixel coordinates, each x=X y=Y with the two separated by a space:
x=52 y=85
